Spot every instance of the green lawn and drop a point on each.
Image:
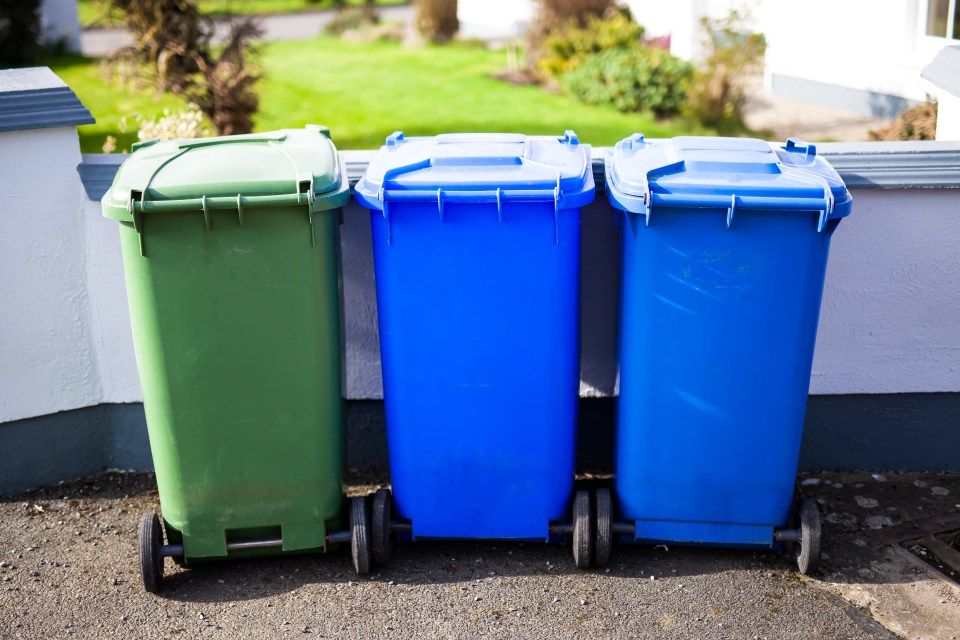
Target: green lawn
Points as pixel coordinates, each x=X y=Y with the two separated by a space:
x=92 y=12
x=363 y=92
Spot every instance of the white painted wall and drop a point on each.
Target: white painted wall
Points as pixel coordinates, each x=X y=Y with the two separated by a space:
x=948 y=116
x=48 y=362
x=494 y=19
x=59 y=21
x=889 y=322
x=110 y=331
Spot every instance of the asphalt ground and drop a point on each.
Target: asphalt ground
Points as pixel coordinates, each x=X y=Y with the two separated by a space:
x=69 y=568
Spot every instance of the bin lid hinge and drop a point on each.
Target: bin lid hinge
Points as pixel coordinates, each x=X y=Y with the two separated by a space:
x=647 y=203
x=240 y=209
x=731 y=208
x=385 y=212
x=305 y=187
x=440 y=202
x=206 y=212
x=137 y=215
x=499 y=206
x=557 y=194
x=829 y=201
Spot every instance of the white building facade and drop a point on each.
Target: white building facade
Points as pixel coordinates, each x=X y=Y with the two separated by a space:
x=864 y=56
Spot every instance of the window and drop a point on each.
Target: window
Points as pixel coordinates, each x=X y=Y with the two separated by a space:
x=943 y=18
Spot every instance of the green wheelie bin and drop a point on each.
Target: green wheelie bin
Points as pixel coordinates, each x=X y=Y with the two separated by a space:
x=231 y=257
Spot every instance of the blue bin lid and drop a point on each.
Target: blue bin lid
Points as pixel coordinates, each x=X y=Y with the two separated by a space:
x=479 y=167
x=731 y=173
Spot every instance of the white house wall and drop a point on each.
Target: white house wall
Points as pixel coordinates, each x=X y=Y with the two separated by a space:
x=869 y=45
x=59 y=22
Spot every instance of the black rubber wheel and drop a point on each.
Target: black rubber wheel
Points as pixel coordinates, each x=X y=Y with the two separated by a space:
x=603 y=528
x=582 y=529
x=151 y=563
x=380 y=537
x=360 y=536
x=808 y=550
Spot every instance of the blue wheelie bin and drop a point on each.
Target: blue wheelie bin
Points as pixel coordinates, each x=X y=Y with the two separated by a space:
x=725 y=244
x=476 y=241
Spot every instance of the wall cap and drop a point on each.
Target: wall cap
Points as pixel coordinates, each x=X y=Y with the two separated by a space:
x=36 y=98
x=862 y=165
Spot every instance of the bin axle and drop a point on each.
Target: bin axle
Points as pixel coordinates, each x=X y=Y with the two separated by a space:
x=786 y=535
x=174 y=550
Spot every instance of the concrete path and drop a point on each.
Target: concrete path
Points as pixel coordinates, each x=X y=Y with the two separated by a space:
x=282 y=26
x=68 y=568
x=781 y=118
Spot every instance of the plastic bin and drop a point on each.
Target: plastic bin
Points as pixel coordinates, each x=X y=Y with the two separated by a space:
x=725 y=244
x=230 y=249
x=476 y=241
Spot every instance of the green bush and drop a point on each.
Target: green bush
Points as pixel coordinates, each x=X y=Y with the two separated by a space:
x=731 y=56
x=631 y=79
x=555 y=16
x=566 y=47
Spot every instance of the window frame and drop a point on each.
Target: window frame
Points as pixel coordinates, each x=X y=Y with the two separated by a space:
x=951 y=34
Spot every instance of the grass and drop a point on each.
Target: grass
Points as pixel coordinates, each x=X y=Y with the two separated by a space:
x=364 y=91
x=109 y=102
x=92 y=13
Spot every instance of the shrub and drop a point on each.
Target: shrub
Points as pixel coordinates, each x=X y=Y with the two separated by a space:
x=172 y=40
x=226 y=91
x=917 y=123
x=631 y=79
x=568 y=46
x=173 y=125
x=19 y=32
x=731 y=54
x=351 y=19
x=554 y=16
x=436 y=20
x=169 y=38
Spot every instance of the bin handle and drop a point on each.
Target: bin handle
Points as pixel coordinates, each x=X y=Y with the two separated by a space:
x=253 y=138
x=219 y=202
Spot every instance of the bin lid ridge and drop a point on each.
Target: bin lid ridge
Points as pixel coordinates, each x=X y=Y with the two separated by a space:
x=265 y=164
x=476 y=162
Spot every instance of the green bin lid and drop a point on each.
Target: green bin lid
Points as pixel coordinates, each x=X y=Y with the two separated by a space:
x=286 y=167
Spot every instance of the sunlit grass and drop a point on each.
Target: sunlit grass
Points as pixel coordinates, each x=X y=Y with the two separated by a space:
x=364 y=91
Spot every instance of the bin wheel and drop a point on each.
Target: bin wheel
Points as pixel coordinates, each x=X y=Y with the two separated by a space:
x=604 y=527
x=359 y=536
x=151 y=563
x=808 y=550
x=380 y=538
x=582 y=529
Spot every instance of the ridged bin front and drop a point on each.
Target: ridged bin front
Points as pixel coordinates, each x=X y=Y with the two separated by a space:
x=476 y=246
x=725 y=246
x=231 y=259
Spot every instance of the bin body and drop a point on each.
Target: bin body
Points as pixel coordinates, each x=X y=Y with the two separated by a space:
x=477 y=269
x=721 y=288
x=235 y=317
